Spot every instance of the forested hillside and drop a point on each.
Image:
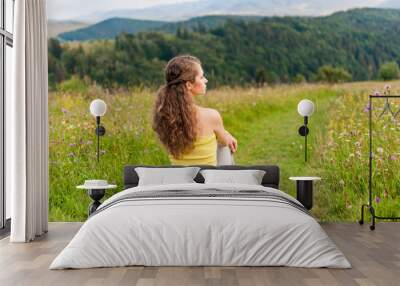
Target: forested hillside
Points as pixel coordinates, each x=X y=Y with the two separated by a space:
x=273 y=49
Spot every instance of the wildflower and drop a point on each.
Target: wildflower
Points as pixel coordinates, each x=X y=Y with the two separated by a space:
x=102 y=152
x=377 y=199
x=358 y=144
x=379 y=150
x=387 y=90
x=351 y=155
x=341 y=182
x=89 y=142
x=367 y=108
x=71 y=155
x=64 y=110
x=393 y=157
x=72 y=145
x=377 y=93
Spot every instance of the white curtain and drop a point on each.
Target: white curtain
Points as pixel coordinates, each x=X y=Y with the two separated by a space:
x=27 y=124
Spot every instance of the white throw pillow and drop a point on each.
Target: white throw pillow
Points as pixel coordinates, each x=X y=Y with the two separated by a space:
x=165 y=176
x=248 y=177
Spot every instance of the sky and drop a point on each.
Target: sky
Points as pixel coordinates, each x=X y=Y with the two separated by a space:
x=69 y=9
x=72 y=9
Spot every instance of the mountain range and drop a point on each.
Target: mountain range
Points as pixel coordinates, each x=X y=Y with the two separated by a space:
x=110 y=28
x=186 y=10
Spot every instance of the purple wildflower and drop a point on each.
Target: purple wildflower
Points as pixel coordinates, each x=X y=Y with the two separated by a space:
x=64 y=110
x=377 y=199
x=72 y=145
x=393 y=157
x=89 y=142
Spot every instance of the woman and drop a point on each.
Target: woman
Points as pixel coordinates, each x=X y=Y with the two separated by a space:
x=188 y=131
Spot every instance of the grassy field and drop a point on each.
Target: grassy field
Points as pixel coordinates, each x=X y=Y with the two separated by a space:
x=265 y=122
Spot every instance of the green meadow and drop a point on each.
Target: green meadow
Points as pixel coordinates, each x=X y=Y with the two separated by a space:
x=264 y=121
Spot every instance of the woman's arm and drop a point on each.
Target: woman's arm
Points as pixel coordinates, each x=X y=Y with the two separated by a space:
x=223 y=136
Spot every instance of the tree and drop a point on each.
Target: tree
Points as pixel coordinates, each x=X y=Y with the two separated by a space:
x=56 y=70
x=261 y=76
x=299 y=78
x=55 y=48
x=329 y=74
x=389 y=71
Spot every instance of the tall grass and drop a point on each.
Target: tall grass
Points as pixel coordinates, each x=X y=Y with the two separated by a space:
x=344 y=156
x=265 y=122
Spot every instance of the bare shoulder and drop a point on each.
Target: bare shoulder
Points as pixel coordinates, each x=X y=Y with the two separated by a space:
x=211 y=114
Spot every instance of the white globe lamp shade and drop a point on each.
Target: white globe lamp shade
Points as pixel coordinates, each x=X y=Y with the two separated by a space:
x=305 y=107
x=98 y=107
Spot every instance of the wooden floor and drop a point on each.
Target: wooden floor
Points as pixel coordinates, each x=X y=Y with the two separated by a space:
x=374 y=255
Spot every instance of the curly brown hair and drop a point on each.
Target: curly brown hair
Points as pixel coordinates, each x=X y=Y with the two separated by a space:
x=174 y=116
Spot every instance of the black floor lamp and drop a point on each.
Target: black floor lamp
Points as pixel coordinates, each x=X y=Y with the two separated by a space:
x=305 y=109
x=98 y=108
x=386 y=109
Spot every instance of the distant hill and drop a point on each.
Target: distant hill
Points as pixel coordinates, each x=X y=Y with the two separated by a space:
x=190 y=9
x=110 y=28
x=54 y=28
x=205 y=22
x=185 y=10
x=391 y=4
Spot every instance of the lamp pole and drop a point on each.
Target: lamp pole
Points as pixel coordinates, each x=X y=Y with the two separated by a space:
x=305 y=137
x=98 y=137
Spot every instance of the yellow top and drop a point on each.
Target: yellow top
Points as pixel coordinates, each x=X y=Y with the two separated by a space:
x=203 y=153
